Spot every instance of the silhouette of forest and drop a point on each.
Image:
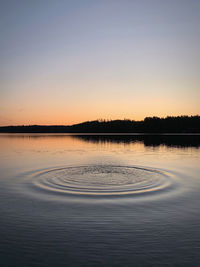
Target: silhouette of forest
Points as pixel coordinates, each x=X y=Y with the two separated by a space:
x=179 y=124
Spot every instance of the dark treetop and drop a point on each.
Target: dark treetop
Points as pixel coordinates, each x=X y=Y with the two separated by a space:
x=180 y=124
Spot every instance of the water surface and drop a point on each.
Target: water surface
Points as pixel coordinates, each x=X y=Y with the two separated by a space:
x=99 y=200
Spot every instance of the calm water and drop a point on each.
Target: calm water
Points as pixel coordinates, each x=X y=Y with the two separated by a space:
x=88 y=200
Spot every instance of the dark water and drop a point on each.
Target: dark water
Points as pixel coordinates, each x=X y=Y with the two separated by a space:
x=99 y=200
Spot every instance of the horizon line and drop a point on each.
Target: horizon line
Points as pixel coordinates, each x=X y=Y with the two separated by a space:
x=100 y=121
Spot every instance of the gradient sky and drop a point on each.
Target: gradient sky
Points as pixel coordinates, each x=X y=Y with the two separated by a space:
x=64 y=62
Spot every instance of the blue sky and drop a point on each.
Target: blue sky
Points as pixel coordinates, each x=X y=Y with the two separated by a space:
x=64 y=62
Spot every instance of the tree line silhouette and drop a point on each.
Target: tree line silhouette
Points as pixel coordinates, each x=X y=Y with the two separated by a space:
x=170 y=124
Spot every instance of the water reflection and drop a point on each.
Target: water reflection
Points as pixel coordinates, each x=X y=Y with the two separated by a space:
x=169 y=140
x=117 y=197
x=148 y=140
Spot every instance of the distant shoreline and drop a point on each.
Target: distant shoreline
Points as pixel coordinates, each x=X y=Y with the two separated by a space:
x=102 y=134
x=150 y=125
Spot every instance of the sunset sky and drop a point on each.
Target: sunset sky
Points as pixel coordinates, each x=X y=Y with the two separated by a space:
x=64 y=62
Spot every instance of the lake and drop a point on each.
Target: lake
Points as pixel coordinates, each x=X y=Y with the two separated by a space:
x=99 y=200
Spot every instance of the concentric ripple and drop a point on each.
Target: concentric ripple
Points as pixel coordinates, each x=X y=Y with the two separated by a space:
x=101 y=180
